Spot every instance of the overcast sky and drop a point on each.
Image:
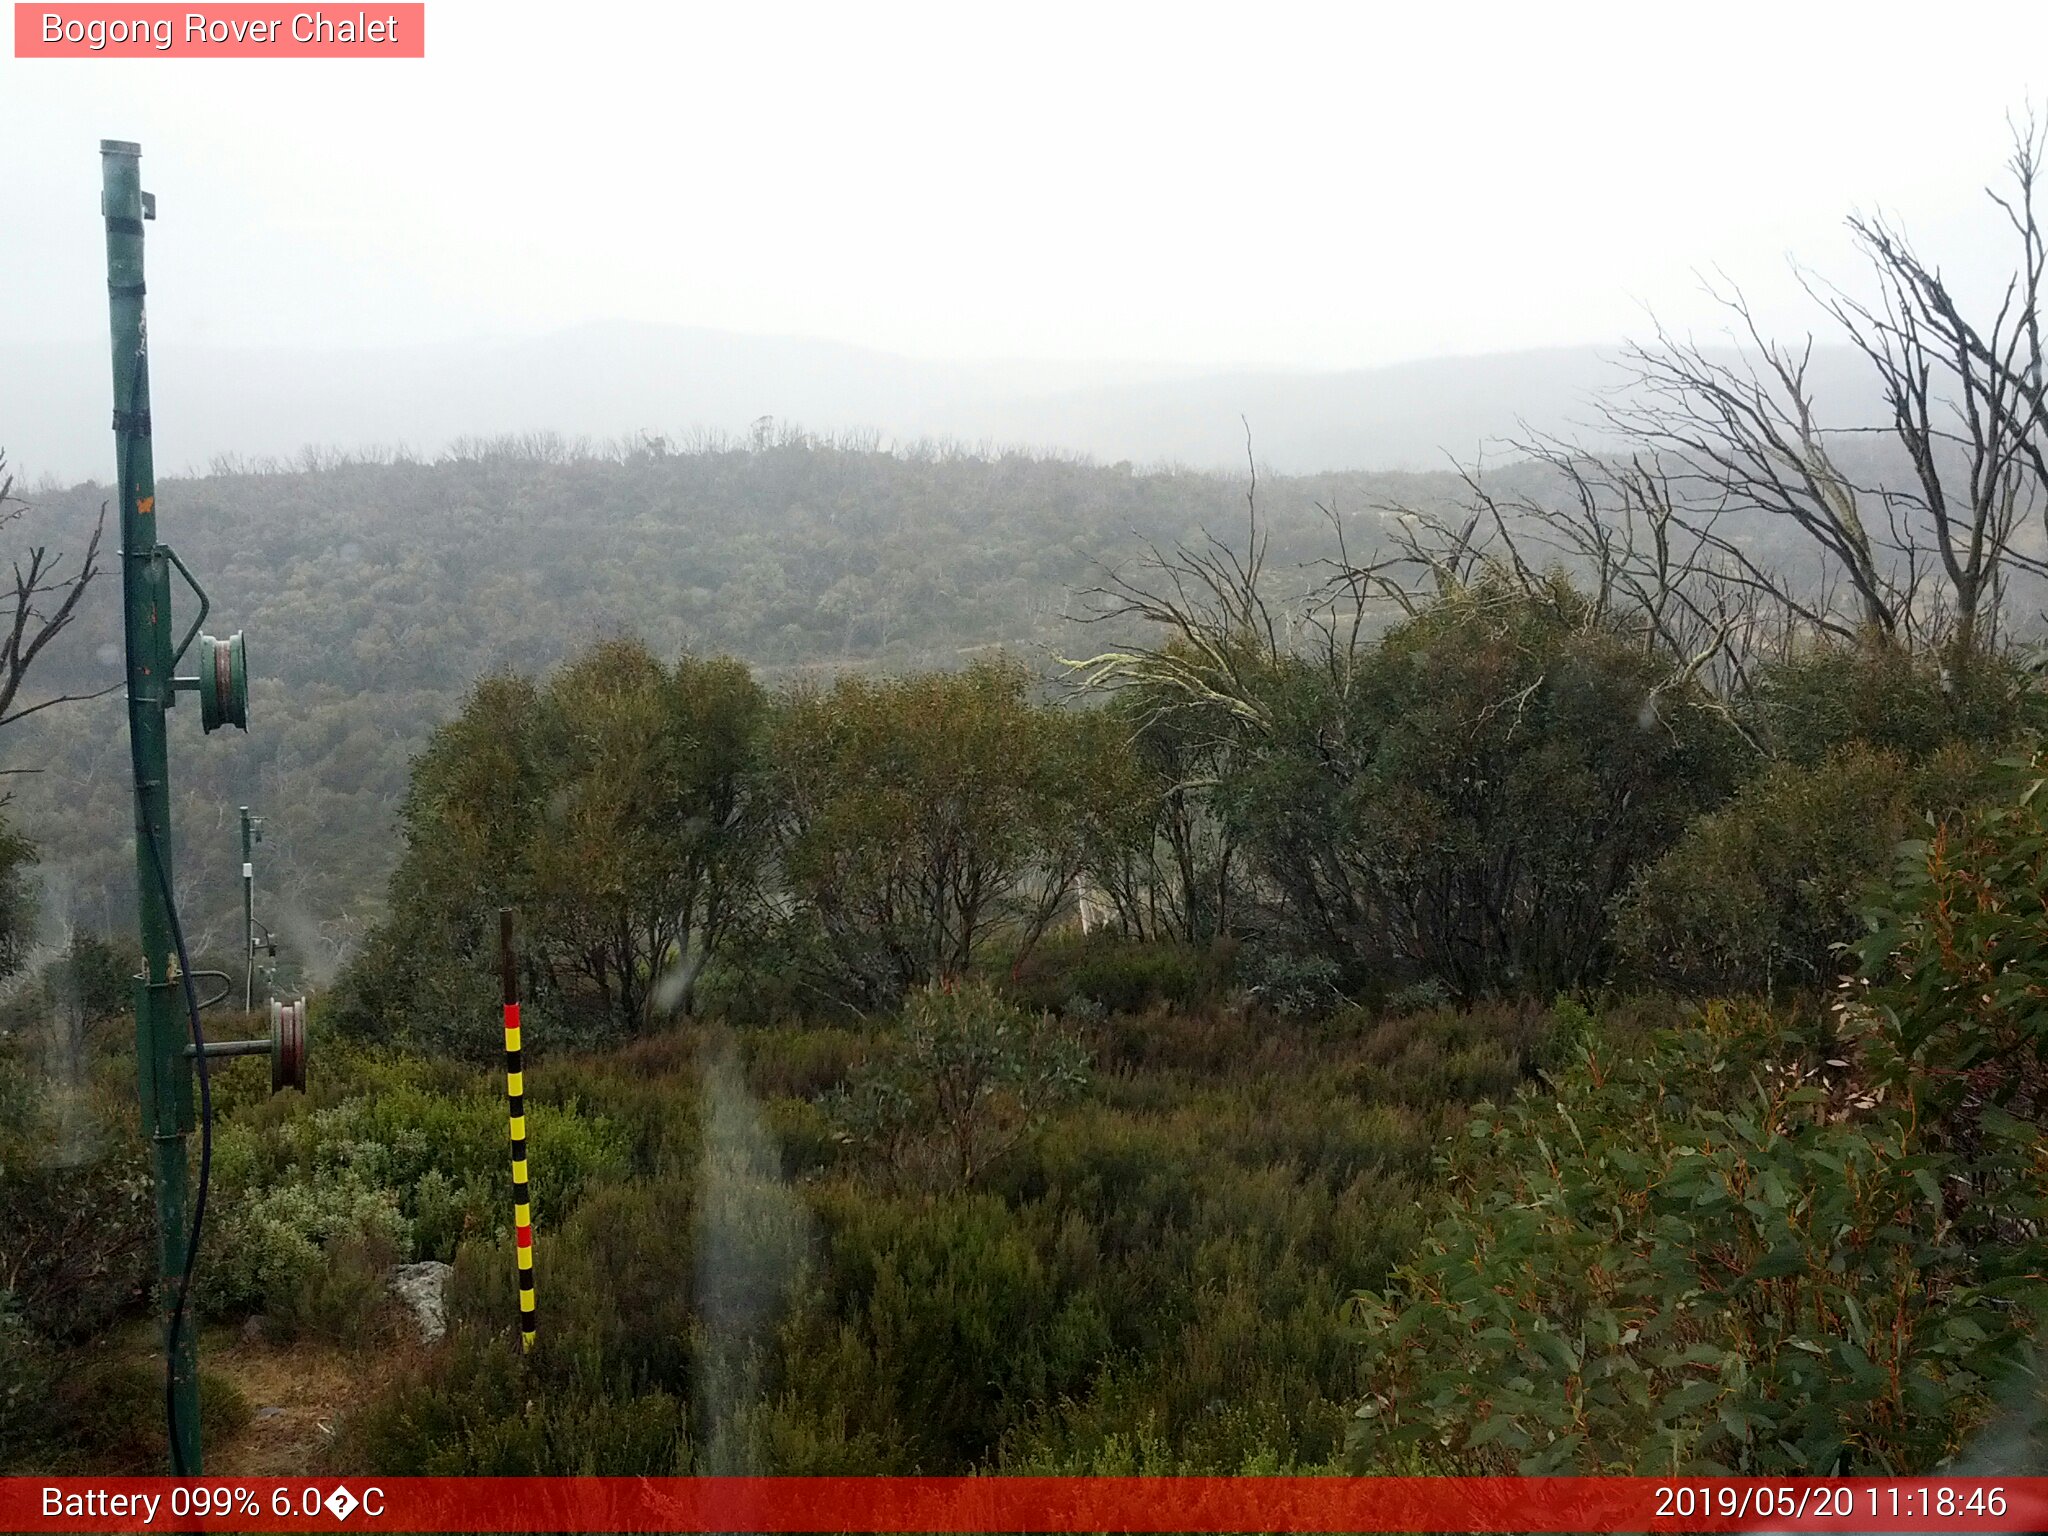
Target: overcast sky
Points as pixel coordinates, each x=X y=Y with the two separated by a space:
x=1325 y=187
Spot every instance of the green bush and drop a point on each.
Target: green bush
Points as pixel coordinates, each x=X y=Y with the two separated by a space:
x=920 y=818
x=17 y=901
x=799 y=1063
x=315 y=1202
x=1465 y=798
x=1172 y=1249
x=968 y=1078
x=1446 y=1056
x=28 y=1373
x=805 y=1133
x=1293 y=984
x=433 y=1142
x=608 y=1392
x=78 y=1243
x=472 y=1410
x=616 y=807
x=1957 y=962
x=1761 y=894
x=1218 y=1242
x=941 y=1322
x=1887 y=701
x=96 y=1410
x=1116 y=975
x=88 y=983
x=600 y=1115
x=1714 y=1254
x=301 y=1254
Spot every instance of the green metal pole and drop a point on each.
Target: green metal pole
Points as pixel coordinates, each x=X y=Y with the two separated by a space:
x=164 y=1073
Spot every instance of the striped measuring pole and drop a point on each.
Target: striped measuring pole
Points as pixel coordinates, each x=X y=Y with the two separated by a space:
x=515 y=1108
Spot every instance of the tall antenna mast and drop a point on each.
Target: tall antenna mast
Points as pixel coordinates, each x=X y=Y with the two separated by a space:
x=168 y=1038
x=165 y=1072
x=252 y=834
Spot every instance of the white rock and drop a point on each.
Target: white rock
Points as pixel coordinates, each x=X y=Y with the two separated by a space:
x=424 y=1288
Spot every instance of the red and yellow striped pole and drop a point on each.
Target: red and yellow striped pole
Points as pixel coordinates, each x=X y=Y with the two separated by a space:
x=515 y=1106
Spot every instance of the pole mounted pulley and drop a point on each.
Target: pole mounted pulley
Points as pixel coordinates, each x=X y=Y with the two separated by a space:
x=223 y=683
x=285 y=1046
x=288 y=1045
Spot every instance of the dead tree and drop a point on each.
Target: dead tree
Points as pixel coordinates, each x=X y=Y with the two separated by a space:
x=43 y=602
x=1732 y=438
x=1920 y=557
x=1601 y=543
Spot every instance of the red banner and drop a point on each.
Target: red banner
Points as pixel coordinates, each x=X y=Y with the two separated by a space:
x=225 y=31
x=934 y=1504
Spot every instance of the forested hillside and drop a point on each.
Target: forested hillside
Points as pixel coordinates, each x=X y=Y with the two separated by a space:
x=373 y=593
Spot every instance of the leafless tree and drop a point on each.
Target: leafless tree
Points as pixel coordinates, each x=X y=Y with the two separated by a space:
x=1731 y=438
x=1966 y=402
x=44 y=600
x=1210 y=602
x=1604 y=542
x=1921 y=558
x=1913 y=545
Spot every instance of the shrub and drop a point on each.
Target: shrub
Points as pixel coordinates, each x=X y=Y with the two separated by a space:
x=804 y=1132
x=17 y=901
x=77 y=1245
x=1714 y=1254
x=1887 y=701
x=1116 y=975
x=968 y=1078
x=430 y=1141
x=1218 y=1240
x=942 y=1320
x=1428 y=1061
x=616 y=807
x=921 y=817
x=28 y=1372
x=1761 y=893
x=1957 y=966
x=1466 y=797
x=607 y=1394
x=311 y=1256
x=799 y=1063
x=1425 y=996
x=394 y=1156
x=1171 y=1249
x=472 y=1410
x=98 y=977
x=96 y=1410
x=1294 y=984
x=595 y=1117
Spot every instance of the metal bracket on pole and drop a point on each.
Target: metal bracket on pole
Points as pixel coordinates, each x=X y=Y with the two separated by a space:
x=205 y=603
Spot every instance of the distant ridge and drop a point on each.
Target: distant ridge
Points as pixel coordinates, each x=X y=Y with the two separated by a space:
x=619 y=378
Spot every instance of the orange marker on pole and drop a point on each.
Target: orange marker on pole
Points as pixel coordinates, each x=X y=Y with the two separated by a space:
x=515 y=1105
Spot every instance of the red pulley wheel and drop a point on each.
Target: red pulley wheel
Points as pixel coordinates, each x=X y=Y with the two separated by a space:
x=288 y=1045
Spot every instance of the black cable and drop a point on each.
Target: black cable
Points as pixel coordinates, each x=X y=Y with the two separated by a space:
x=147 y=835
x=178 y=1312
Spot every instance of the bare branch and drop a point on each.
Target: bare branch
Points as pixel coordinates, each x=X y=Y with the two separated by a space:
x=44 y=600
